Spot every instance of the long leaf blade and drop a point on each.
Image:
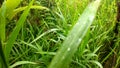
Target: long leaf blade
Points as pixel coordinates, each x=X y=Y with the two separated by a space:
x=16 y=30
x=64 y=55
x=12 y=14
x=21 y=63
x=2 y=22
x=3 y=63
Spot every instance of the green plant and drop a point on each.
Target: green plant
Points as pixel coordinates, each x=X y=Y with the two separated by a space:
x=8 y=11
x=67 y=50
x=47 y=30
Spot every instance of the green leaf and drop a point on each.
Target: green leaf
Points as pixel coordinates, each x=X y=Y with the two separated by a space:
x=16 y=30
x=51 y=30
x=2 y=22
x=69 y=47
x=11 y=5
x=12 y=14
x=3 y=63
x=96 y=62
x=20 y=63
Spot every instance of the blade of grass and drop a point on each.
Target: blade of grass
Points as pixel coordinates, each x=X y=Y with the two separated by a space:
x=65 y=53
x=16 y=30
x=97 y=63
x=3 y=63
x=23 y=8
x=51 y=30
x=2 y=22
x=20 y=63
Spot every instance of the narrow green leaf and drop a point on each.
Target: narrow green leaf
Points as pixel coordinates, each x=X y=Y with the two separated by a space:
x=67 y=50
x=16 y=30
x=96 y=62
x=29 y=44
x=2 y=22
x=20 y=63
x=51 y=30
x=3 y=63
x=12 y=14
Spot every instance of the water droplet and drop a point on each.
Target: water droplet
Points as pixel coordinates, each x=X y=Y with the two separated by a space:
x=79 y=40
x=68 y=49
x=91 y=18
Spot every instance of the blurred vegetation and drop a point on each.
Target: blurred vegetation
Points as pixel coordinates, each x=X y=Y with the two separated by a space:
x=46 y=27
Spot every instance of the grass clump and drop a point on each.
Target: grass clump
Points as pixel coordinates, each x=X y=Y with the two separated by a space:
x=58 y=33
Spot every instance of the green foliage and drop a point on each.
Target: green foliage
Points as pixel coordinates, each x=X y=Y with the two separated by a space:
x=7 y=9
x=3 y=63
x=11 y=5
x=16 y=11
x=31 y=39
x=74 y=38
x=20 y=63
x=16 y=30
x=2 y=22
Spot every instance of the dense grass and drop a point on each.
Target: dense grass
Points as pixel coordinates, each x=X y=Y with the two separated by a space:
x=50 y=26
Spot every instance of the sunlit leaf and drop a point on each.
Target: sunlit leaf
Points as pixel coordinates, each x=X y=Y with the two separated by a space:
x=12 y=14
x=16 y=30
x=67 y=50
x=11 y=5
x=2 y=22
x=21 y=63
